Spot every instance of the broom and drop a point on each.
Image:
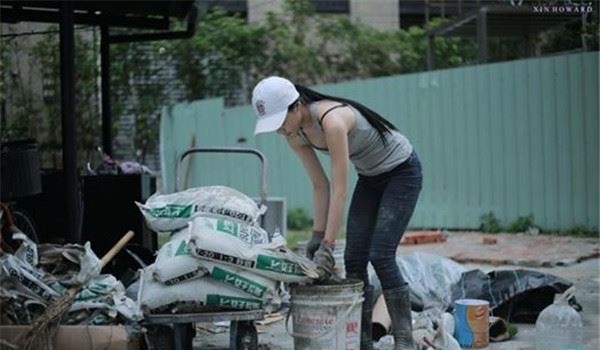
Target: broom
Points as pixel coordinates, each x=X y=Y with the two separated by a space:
x=44 y=328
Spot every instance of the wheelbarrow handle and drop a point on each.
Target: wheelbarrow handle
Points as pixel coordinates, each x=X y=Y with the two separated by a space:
x=259 y=154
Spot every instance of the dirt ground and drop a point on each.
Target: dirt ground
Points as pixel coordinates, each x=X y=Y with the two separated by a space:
x=574 y=259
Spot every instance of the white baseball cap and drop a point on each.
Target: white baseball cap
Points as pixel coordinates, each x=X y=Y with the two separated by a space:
x=271 y=98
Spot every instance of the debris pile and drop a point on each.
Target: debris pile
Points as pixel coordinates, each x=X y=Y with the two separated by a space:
x=36 y=275
x=437 y=282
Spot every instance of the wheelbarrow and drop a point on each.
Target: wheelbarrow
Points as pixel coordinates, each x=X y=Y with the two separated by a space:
x=176 y=331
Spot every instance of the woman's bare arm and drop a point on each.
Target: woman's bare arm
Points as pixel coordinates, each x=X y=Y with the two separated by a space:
x=318 y=179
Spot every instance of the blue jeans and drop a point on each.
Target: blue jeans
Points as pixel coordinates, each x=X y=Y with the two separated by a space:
x=379 y=212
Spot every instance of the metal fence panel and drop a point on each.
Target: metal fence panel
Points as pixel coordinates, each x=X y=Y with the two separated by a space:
x=513 y=138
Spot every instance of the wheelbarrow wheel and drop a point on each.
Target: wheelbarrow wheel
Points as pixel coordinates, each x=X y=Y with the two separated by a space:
x=159 y=337
x=183 y=336
x=243 y=335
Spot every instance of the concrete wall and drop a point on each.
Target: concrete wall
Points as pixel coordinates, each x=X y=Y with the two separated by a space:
x=380 y=14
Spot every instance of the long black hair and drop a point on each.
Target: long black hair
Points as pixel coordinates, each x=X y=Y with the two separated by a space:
x=378 y=122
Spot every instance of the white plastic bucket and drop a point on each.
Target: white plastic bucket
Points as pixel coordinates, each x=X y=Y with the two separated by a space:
x=327 y=316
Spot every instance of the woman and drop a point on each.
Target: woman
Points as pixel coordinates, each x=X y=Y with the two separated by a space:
x=388 y=186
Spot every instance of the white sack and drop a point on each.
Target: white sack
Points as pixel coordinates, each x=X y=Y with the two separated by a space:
x=27 y=277
x=27 y=250
x=279 y=264
x=168 y=212
x=255 y=285
x=247 y=233
x=200 y=294
x=175 y=263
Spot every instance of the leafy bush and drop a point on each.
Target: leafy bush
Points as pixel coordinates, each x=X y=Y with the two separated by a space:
x=521 y=224
x=298 y=219
x=583 y=231
x=489 y=223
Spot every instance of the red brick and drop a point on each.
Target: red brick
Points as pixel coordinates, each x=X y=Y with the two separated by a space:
x=490 y=240
x=421 y=237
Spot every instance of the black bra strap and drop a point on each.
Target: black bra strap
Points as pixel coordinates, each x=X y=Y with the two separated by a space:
x=327 y=111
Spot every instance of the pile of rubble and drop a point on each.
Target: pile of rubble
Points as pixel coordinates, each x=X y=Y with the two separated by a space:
x=35 y=275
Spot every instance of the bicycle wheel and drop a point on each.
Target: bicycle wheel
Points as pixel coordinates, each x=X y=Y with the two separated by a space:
x=25 y=223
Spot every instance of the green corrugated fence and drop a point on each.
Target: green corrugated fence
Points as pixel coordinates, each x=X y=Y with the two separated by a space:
x=513 y=138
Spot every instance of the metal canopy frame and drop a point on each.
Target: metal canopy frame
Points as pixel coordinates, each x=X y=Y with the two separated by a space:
x=154 y=16
x=503 y=21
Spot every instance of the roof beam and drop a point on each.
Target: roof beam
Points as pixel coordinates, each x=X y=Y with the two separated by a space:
x=29 y=15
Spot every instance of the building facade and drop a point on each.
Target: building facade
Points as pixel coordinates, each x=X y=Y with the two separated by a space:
x=381 y=14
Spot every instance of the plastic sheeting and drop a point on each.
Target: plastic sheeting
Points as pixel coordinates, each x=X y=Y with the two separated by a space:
x=517 y=295
x=430 y=278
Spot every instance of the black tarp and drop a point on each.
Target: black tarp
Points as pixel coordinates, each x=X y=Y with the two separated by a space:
x=517 y=295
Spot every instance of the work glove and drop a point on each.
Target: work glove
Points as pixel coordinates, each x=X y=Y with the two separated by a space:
x=314 y=243
x=324 y=257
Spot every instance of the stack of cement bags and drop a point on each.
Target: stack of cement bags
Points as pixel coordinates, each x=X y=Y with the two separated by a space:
x=218 y=256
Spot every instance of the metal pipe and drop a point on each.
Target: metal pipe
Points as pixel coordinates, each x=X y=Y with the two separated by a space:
x=15 y=15
x=261 y=157
x=482 y=34
x=69 y=139
x=430 y=40
x=105 y=82
x=430 y=51
x=184 y=34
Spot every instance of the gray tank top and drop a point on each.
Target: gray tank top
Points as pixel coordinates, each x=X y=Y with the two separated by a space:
x=367 y=152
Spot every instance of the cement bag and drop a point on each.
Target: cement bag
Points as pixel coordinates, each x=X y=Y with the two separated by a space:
x=107 y=293
x=27 y=279
x=72 y=264
x=27 y=250
x=200 y=294
x=168 y=212
x=250 y=234
x=279 y=264
x=175 y=263
x=255 y=285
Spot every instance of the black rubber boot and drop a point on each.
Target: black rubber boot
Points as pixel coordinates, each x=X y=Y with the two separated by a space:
x=366 y=324
x=398 y=303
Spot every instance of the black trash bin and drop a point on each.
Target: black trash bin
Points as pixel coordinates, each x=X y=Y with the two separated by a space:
x=20 y=174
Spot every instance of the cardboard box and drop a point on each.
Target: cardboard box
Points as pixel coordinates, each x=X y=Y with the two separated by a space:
x=83 y=337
